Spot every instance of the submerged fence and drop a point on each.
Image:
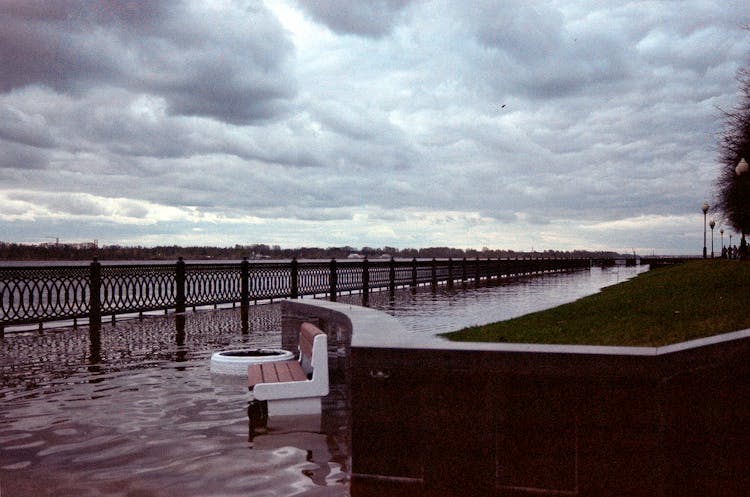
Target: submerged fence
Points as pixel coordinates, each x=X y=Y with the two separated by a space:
x=39 y=294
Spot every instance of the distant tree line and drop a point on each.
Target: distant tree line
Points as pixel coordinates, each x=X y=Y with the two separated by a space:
x=76 y=252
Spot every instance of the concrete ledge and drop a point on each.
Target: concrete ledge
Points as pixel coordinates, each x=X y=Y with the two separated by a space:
x=377 y=329
x=520 y=419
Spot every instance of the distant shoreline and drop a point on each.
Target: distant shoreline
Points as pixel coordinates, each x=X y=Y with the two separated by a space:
x=89 y=251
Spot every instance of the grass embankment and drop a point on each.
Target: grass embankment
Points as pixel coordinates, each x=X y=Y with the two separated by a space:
x=660 y=307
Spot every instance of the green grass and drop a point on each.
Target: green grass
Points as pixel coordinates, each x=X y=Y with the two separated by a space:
x=659 y=307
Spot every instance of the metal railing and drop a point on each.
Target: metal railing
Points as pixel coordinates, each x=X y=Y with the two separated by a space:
x=30 y=295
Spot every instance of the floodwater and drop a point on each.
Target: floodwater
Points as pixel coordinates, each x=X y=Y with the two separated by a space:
x=135 y=411
x=452 y=309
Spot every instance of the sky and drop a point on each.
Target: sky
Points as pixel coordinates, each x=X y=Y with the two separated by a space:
x=508 y=124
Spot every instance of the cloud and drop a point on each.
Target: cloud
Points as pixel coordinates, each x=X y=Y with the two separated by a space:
x=407 y=123
x=373 y=19
x=22 y=157
x=19 y=127
x=230 y=64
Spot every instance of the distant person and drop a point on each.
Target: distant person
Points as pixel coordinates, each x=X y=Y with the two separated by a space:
x=723 y=252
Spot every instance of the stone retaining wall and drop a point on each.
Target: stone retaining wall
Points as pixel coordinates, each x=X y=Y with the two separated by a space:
x=444 y=418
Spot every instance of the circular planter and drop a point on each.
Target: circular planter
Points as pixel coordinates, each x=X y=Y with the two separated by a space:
x=236 y=362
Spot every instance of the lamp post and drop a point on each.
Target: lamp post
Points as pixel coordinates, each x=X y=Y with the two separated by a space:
x=712 y=224
x=723 y=252
x=742 y=168
x=704 y=208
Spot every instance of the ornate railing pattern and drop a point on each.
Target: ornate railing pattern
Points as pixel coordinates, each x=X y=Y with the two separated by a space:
x=43 y=294
x=126 y=289
x=269 y=281
x=211 y=284
x=312 y=278
x=36 y=294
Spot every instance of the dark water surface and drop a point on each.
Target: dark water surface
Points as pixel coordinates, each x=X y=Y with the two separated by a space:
x=137 y=412
x=147 y=418
x=448 y=310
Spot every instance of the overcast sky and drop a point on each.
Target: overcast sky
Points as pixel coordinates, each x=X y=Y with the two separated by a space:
x=508 y=124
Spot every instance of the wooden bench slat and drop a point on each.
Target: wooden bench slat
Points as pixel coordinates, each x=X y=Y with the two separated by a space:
x=298 y=374
x=275 y=372
x=269 y=372
x=254 y=375
x=307 y=334
x=290 y=371
x=282 y=371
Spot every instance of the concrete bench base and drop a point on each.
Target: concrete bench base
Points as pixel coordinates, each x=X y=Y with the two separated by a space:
x=294 y=407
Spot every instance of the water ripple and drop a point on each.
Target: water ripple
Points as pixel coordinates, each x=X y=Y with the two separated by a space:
x=135 y=410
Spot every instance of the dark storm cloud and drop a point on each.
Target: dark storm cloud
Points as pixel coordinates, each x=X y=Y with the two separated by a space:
x=21 y=128
x=19 y=156
x=228 y=65
x=373 y=18
x=65 y=43
x=537 y=54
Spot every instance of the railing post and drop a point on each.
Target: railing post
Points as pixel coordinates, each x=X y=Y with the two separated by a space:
x=180 y=283
x=179 y=328
x=365 y=281
x=433 y=273
x=294 y=276
x=95 y=348
x=95 y=303
x=392 y=277
x=477 y=274
x=414 y=272
x=333 y=280
x=244 y=292
x=463 y=270
x=450 y=272
x=244 y=282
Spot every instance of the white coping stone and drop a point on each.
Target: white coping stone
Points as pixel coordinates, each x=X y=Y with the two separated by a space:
x=376 y=329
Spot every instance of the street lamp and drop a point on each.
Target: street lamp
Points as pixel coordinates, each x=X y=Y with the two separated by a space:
x=742 y=167
x=712 y=224
x=721 y=232
x=704 y=208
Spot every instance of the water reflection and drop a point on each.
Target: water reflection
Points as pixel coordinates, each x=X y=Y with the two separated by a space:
x=441 y=309
x=30 y=361
x=133 y=410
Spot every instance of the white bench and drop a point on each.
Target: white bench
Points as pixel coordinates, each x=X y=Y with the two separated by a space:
x=294 y=387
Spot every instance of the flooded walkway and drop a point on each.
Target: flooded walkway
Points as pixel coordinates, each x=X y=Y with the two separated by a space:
x=143 y=416
x=137 y=412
